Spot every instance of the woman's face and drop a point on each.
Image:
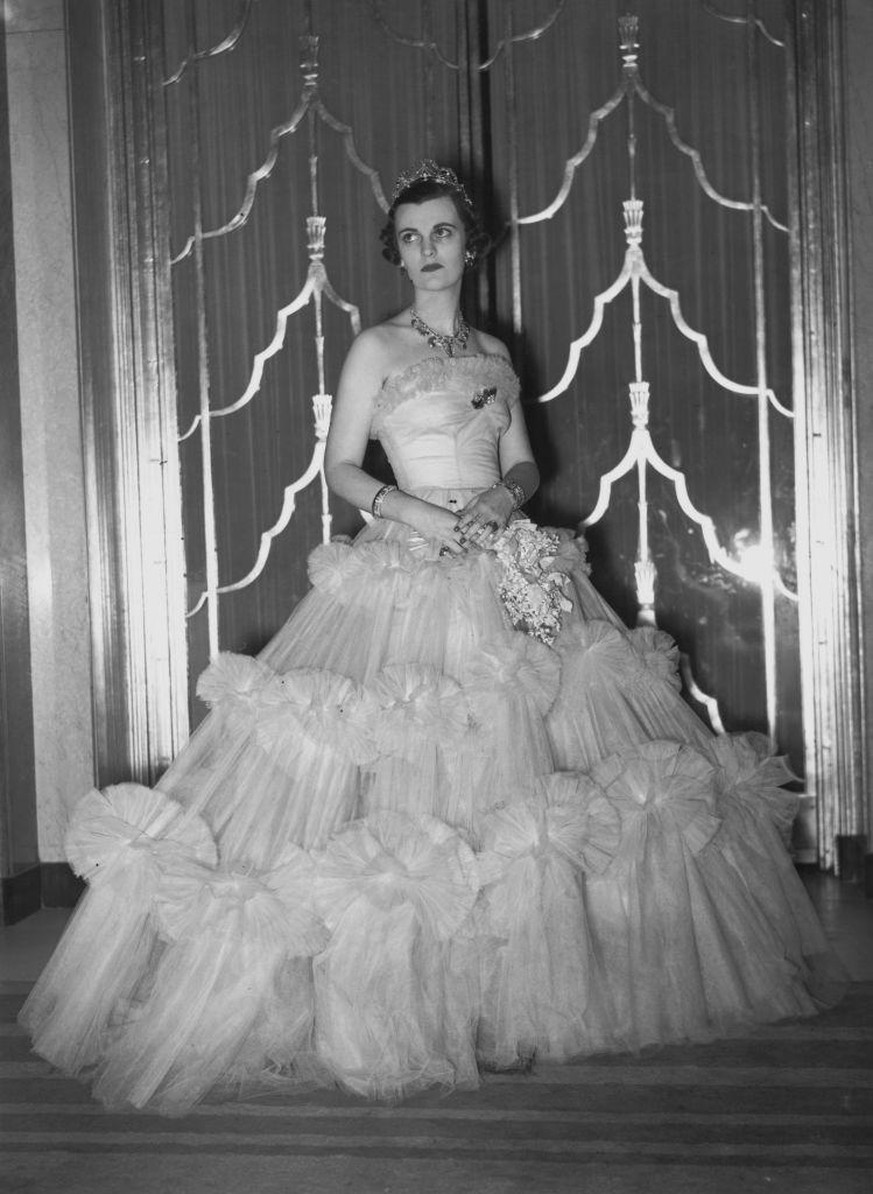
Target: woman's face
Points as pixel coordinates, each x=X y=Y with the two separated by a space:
x=431 y=239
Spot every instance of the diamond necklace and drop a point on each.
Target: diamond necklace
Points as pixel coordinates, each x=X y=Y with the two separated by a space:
x=448 y=343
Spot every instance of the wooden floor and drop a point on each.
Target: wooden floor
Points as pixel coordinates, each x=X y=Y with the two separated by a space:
x=786 y=1108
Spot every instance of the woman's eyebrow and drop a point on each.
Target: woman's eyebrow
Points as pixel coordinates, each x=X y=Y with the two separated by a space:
x=438 y=224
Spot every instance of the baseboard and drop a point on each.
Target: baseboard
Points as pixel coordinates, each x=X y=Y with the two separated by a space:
x=47 y=885
x=61 y=888
x=22 y=895
x=850 y=851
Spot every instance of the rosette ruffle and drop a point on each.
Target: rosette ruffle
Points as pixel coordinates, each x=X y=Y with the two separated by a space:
x=540 y=981
x=231 y=904
x=514 y=667
x=332 y=567
x=390 y=859
x=229 y=937
x=661 y=923
x=112 y=841
x=570 y=818
x=606 y=701
x=233 y=685
x=510 y=681
x=418 y=708
x=752 y=776
x=321 y=708
x=390 y=569
x=582 y=823
x=664 y=788
x=393 y=1013
x=659 y=653
x=596 y=654
x=132 y=828
x=365 y=571
x=788 y=964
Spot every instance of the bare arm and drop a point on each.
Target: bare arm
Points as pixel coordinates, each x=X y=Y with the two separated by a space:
x=360 y=382
x=517 y=465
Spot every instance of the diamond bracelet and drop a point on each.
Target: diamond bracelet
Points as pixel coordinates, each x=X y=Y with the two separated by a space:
x=381 y=494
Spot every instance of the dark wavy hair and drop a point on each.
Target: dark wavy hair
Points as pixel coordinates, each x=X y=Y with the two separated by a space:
x=429 y=188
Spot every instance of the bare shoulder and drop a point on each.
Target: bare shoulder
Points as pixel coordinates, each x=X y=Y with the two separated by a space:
x=492 y=345
x=369 y=346
x=369 y=359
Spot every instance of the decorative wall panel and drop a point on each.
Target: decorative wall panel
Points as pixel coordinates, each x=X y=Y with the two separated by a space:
x=638 y=171
x=642 y=276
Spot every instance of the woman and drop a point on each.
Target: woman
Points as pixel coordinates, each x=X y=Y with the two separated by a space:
x=455 y=817
x=427 y=234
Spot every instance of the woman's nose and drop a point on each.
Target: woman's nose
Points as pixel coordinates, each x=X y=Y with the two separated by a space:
x=427 y=247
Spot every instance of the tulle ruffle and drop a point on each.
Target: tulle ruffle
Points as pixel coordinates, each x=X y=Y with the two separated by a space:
x=419 y=708
x=604 y=911
x=535 y=946
x=125 y=841
x=659 y=653
x=462 y=374
x=396 y=1011
x=228 y=936
x=309 y=706
x=661 y=789
x=412 y=842
x=232 y=686
x=512 y=667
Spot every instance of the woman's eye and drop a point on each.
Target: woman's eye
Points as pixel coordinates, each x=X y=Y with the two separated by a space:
x=442 y=232
x=407 y=238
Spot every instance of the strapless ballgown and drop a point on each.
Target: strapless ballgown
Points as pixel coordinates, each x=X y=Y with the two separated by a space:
x=421 y=836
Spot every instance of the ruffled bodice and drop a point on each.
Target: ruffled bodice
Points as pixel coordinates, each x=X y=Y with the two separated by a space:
x=440 y=421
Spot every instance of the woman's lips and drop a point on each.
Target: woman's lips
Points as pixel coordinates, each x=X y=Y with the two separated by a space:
x=427 y=269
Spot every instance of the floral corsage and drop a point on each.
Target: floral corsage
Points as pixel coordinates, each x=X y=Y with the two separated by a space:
x=532 y=590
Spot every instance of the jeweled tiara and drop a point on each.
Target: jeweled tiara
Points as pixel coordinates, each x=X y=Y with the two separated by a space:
x=429 y=171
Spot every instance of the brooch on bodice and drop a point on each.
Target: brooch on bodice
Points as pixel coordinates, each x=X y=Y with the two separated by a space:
x=484 y=397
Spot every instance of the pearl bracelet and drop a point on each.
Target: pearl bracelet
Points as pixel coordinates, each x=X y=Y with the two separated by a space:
x=381 y=494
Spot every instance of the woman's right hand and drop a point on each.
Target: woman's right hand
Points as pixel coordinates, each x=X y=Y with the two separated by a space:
x=436 y=522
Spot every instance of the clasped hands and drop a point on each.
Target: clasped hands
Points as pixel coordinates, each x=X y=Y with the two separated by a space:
x=481 y=522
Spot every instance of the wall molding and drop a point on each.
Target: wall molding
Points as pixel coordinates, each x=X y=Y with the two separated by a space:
x=18 y=823
x=136 y=561
x=825 y=434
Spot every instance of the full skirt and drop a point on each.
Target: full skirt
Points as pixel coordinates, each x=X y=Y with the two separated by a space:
x=412 y=842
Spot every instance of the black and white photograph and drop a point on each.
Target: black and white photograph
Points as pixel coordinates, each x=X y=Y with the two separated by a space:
x=436 y=565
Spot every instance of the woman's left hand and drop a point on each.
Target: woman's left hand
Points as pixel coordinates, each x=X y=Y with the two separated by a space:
x=485 y=516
